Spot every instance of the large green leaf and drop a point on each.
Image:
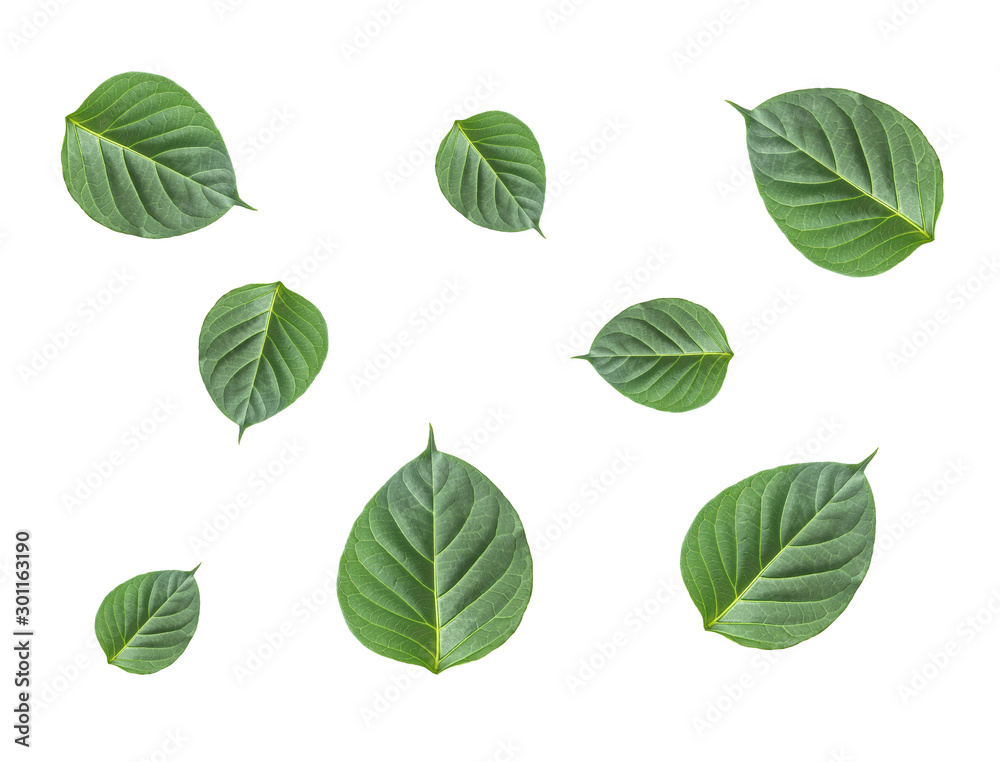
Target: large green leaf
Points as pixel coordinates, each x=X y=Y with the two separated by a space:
x=145 y=624
x=490 y=168
x=667 y=354
x=437 y=570
x=853 y=183
x=141 y=156
x=260 y=347
x=774 y=559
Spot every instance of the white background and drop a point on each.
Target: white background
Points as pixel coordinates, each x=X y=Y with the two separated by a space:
x=317 y=133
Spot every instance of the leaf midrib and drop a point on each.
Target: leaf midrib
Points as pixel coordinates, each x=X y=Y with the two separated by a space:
x=434 y=565
x=760 y=574
x=260 y=356
x=123 y=147
x=657 y=354
x=870 y=195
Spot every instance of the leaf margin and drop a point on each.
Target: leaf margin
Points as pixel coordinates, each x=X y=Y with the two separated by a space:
x=457 y=128
x=745 y=484
x=112 y=653
x=439 y=664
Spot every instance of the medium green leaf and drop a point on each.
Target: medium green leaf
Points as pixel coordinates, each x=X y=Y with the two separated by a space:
x=490 y=168
x=774 y=559
x=142 y=157
x=260 y=347
x=667 y=354
x=437 y=570
x=852 y=183
x=145 y=624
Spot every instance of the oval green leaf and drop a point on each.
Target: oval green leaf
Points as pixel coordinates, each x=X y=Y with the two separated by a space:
x=774 y=559
x=145 y=624
x=490 y=169
x=667 y=354
x=141 y=156
x=437 y=570
x=852 y=183
x=261 y=346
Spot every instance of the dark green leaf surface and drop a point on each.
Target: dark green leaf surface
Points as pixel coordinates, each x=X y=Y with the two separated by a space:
x=853 y=183
x=261 y=346
x=437 y=570
x=667 y=354
x=490 y=168
x=145 y=624
x=142 y=157
x=774 y=559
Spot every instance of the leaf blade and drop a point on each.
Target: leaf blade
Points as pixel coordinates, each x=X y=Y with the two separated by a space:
x=142 y=157
x=853 y=184
x=261 y=347
x=437 y=570
x=777 y=557
x=491 y=170
x=668 y=354
x=146 y=623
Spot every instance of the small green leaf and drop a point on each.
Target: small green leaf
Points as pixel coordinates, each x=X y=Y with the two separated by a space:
x=852 y=183
x=145 y=624
x=437 y=570
x=141 y=156
x=261 y=346
x=667 y=354
x=490 y=168
x=774 y=559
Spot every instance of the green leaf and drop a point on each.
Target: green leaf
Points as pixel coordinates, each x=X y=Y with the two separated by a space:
x=852 y=183
x=490 y=168
x=774 y=559
x=437 y=570
x=667 y=354
x=145 y=624
x=261 y=346
x=141 y=156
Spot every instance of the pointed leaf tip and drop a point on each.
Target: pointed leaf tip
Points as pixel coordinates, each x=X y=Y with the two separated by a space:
x=431 y=447
x=195 y=569
x=744 y=111
x=863 y=464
